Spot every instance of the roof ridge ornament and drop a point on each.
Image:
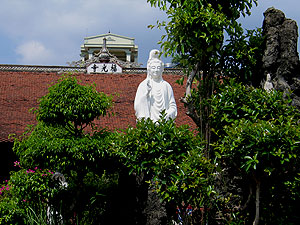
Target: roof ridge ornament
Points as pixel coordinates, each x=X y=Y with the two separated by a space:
x=104 y=55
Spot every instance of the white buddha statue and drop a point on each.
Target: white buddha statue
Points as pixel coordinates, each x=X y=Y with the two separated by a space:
x=154 y=94
x=268 y=86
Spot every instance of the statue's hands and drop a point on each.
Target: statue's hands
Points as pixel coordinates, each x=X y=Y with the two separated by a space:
x=148 y=87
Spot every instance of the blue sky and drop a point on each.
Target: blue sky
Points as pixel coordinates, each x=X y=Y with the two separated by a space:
x=50 y=32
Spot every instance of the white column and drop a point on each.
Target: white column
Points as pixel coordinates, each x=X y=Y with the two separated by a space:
x=90 y=53
x=128 y=56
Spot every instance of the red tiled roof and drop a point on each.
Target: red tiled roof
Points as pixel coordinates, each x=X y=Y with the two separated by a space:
x=19 y=92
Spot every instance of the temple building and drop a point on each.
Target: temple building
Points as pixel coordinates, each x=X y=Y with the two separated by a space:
x=122 y=47
x=22 y=86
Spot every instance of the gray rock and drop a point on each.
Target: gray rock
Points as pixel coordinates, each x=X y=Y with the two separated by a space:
x=155 y=210
x=281 y=59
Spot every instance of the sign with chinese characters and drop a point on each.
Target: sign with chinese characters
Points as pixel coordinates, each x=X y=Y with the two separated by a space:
x=104 y=68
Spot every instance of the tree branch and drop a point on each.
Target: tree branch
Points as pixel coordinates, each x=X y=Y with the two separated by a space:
x=187 y=100
x=189 y=82
x=248 y=199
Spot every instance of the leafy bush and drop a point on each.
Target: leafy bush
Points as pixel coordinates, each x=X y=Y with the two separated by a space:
x=72 y=105
x=171 y=160
x=55 y=147
x=265 y=154
x=28 y=190
x=234 y=101
x=258 y=147
x=141 y=146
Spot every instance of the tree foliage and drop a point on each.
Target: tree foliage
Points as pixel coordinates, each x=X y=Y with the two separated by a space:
x=241 y=56
x=195 y=29
x=265 y=155
x=234 y=101
x=150 y=141
x=58 y=149
x=171 y=160
x=72 y=105
x=58 y=143
x=254 y=132
x=95 y=163
x=26 y=189
x=258 y=141
x=195 y=35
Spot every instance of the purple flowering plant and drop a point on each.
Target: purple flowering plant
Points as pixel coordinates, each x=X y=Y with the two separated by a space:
x=26 y=188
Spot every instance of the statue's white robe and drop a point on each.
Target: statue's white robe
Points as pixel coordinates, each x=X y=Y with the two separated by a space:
x=151 y=105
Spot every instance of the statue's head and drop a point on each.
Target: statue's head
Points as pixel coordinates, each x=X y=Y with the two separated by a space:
x=155 y=69
x=153 y=54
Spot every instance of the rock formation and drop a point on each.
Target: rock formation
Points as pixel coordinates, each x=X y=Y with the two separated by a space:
x=281 y=59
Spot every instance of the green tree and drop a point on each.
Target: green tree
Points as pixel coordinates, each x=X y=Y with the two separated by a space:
x=238 y=115
x=241 y=57
x=259 y=143
x=195 y=35
x=59 y=143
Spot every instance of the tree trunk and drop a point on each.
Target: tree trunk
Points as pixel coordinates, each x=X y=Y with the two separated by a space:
x=256 y=220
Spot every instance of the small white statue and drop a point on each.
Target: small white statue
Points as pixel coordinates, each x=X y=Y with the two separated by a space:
x=268 y=86
x=154 y=94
